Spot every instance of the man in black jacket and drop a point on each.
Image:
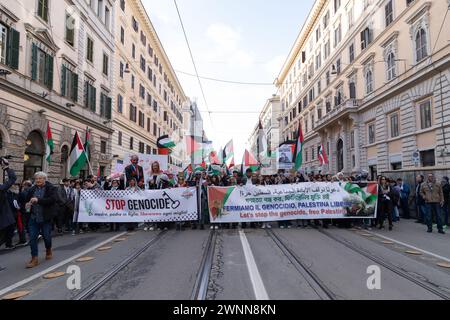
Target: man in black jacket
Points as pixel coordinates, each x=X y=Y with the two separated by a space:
x=7 y=221
x=41 y=201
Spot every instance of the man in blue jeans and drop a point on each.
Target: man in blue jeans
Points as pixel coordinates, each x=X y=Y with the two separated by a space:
x=434 y=201
x=41 y=201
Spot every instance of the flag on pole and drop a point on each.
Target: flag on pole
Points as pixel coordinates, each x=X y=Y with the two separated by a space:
x=299 y=149
x=87 y=140
x=323 y=158
x=228 y=154
x=214 y=158
x=194 y=149
x=249 y=161
x=78 y=157
x=50 y=144
x=201 y=167
x=187 y=172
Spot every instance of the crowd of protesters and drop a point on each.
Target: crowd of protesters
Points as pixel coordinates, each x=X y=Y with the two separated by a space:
x=41 y=209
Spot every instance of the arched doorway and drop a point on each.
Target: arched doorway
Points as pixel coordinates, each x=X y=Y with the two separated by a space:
x=64 y=159
x=34 y=155
x=340 y=155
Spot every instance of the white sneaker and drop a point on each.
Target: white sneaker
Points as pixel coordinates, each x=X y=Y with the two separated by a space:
x=145 y=229
x=281 y=227
x=216 y=227
x=263 y=226
x=151 y=228
x=289 y=227
x=211 y=228
x=165 y=229
x=269 y=226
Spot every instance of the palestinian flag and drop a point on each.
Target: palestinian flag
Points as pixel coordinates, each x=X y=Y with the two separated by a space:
x=194 y=148
x=214 y=170
x=217 y=199
x=165 y=145
x=78 y=157
x=228 y=154
x=322 y=155
x=298 y=154
x=87 y=140
x=201 y=167
x=50 y=145
x=187 y=172
x=249 y=161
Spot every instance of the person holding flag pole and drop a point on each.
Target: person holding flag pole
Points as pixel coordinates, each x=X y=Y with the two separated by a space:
x=86 y=148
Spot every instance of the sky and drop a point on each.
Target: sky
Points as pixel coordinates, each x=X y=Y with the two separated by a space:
x=236 y=40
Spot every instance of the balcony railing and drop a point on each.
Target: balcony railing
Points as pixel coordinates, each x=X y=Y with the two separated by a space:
x=336 y=112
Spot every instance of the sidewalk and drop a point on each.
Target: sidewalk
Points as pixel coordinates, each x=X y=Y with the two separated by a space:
x=415 y=234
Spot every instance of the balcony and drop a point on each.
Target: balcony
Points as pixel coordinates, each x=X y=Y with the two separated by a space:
x=336 y=113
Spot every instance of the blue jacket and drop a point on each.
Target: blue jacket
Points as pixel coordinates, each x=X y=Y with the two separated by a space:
x=404 y=193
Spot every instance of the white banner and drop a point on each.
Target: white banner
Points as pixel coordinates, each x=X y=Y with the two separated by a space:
x=309 y=200
x=178 y=204
x=285 y=157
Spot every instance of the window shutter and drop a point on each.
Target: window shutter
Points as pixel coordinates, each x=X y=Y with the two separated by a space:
x=34 y=58
x=48 y=77
x=86 y=94
x=108 y=108
x=102 y=105
x=63 y=80
x=74 y=87
x=12 y=55
x=94 y=99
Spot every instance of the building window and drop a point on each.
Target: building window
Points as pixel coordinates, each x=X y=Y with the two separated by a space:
x=122 y=5
x=133 y=113
x=42 y=10
x=105 y=106
x=119 y=103
x=426 y=119
x=122 y=35
x=141 y=147
x=389 y=13
x=366 y=38
x=141 y=91
x=141 y=119
x=353 y=161
x=134 y=24
x=90 y=96
x=391 y=72
x=148 y=125
x=327 y=50
x=70 y=29
x=142 y=63
x=90 y=50
x=394 y=125
x=371 y=132
x=133 y=51
x=427 y=158
x=132 y=81
x=119 y=138
x=41 y=67
x=421 y=45
x=131 y=143
x=69 y=83
x=326 y=20
x=103 y=147
x=337 y=5
x=351 y=50
x=352 y=139
x=155 y=129
x=337 y=35
x=369 y=81
x=105 y=64
x=396 y=166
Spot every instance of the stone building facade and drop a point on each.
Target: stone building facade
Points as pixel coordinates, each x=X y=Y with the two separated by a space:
x=51 y=52
x=370 y=81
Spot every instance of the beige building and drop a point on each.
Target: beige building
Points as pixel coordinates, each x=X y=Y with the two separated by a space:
x=370 y=80
x=56 y=61
x=149 y=97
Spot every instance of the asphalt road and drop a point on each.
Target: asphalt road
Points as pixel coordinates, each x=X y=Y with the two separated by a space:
x=250 y=264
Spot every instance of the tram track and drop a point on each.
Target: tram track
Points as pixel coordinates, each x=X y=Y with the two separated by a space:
x=425 y=284
x=319 y=287
x=200 y=289
x=112 y=272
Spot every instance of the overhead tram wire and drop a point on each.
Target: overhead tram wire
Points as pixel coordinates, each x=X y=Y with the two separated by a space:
x=193 y=62
x=228 y=81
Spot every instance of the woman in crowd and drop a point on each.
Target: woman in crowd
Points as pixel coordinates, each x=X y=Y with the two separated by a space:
x=384 y=203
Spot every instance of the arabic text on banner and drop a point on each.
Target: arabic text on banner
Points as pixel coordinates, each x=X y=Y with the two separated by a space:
x=321 y=200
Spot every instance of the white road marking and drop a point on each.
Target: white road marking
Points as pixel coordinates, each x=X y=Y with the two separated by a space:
x=412 y=247
x=60 y=264
x=255 y=277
